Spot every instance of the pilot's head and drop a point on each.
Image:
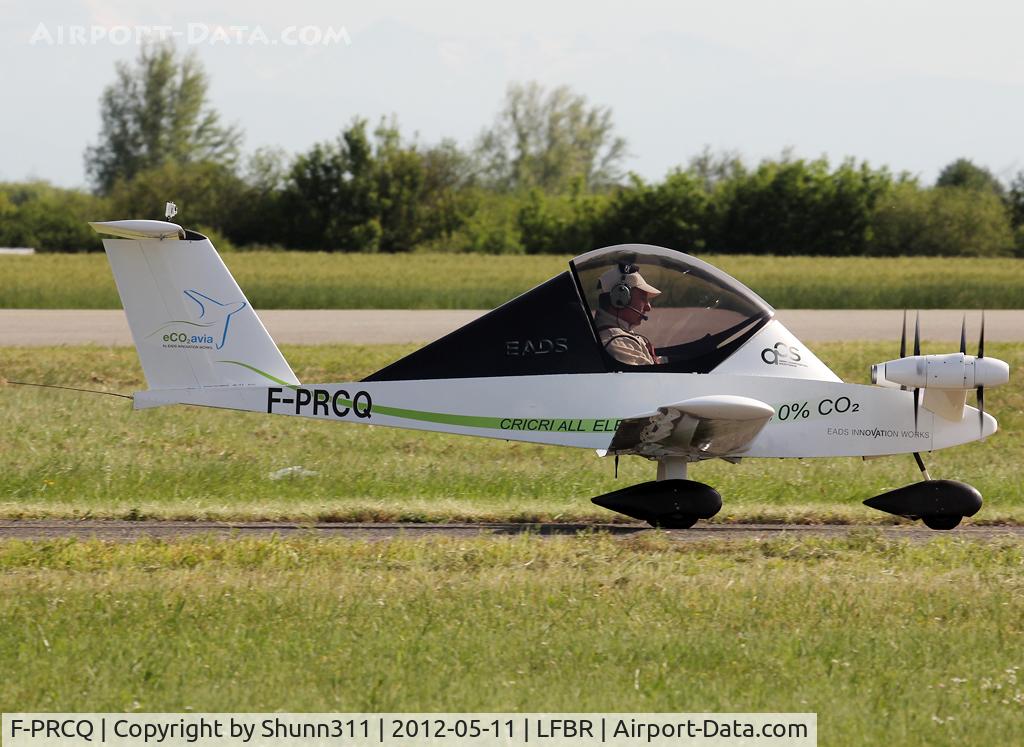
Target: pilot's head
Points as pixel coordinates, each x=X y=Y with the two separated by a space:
x=625 y=293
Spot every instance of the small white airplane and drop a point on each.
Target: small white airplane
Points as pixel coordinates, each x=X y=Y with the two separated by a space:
x=713 y=374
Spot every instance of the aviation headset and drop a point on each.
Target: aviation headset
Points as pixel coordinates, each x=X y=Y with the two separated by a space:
x=619 y=295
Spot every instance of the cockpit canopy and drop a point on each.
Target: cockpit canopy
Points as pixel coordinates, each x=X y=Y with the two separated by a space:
x=699 y=309
x=699 y=318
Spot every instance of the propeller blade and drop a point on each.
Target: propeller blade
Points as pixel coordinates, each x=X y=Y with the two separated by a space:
x=981 y=338
x=981 y=410
x=903 y=343
x=981 y=389
x=903 y=336
x=963 y=336
x=917 y=351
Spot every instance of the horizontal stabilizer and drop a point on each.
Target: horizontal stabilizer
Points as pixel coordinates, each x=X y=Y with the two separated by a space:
x=139 y=229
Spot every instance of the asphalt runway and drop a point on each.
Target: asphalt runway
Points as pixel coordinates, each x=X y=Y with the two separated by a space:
x=368 y=326
x=171 y=530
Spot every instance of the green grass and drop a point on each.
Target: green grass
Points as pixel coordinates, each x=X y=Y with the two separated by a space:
x=297 y=280
x=65 y=454
x=889 y=642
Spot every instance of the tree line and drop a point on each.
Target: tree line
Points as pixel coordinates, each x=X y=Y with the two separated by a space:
x=545 y=176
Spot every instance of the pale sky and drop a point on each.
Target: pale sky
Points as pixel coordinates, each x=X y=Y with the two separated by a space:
x=912 y=85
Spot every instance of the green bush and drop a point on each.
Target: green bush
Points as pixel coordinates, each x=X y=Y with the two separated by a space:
x=797 y=207
x=673 y=213
x=375 y=193
x=206 y=194
x=490 y=226
x=941 y=221
x=560 y=224
x=48 y=218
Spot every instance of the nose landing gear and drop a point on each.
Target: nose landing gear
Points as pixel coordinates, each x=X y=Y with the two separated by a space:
x=939 y=504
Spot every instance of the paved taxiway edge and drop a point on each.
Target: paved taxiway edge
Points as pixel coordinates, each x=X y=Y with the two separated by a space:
x=31 y=327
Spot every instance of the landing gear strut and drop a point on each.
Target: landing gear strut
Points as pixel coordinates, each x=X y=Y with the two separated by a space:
x=672 y=468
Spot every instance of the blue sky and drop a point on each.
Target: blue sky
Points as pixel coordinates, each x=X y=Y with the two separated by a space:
x=912 y=85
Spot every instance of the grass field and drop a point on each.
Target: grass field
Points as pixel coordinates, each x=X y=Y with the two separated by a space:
x=889 y=642
x=283 y=280
x=66 y=454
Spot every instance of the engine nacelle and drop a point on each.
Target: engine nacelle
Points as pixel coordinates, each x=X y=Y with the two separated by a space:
x=950 y=371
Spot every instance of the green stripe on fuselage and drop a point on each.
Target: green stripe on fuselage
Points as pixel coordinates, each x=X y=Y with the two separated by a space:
x=531 y=425
x=264 y=374
x=542 y=425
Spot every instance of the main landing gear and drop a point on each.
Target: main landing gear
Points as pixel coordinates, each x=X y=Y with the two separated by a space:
x=670 y=502
x=940 y=504
x=674 y=502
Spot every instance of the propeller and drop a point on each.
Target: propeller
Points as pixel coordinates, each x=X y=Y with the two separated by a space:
x=917 y=352
x=903 y=343
x=903 y=337
x=981 y=389
x=963 y=351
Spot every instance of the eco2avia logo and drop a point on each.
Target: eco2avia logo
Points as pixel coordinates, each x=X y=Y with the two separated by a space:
x=209 y=332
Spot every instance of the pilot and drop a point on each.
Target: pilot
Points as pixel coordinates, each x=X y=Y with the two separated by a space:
x=623 y=304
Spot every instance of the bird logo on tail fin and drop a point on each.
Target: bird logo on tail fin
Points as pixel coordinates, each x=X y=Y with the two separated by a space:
x=216 y=315
x=208 y=333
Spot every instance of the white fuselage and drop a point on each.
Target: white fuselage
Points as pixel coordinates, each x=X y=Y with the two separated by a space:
x=813 y=418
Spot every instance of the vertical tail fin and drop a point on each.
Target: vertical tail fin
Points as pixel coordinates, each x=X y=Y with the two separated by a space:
x=191 y=323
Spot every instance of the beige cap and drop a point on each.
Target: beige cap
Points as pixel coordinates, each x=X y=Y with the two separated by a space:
x=615 y=275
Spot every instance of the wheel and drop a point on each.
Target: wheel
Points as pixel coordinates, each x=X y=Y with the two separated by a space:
x=941 y=521
x=673 y=521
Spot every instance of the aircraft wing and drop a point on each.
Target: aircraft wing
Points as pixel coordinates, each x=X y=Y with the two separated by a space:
x=702 y=427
